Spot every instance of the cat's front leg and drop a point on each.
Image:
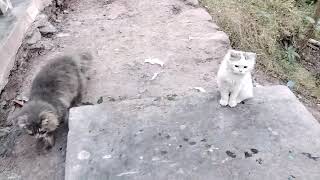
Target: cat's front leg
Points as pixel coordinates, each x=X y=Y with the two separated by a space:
x=49 y=140
x=233 y=97
x=224 y=97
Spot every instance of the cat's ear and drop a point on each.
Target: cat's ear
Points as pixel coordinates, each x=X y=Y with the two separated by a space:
x=86 y=55
x=49 y=121
x=21 y=121
x=234 y=55
x=251 y=56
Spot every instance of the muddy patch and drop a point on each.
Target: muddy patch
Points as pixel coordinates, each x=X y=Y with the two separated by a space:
x=310 y=156
x=231 y=154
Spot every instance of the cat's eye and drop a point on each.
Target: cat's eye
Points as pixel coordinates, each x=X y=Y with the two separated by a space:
x=42 y=132
x=236 y=66
x=245 y=66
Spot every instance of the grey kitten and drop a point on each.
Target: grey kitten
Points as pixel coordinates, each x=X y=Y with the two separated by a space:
x=56 y=88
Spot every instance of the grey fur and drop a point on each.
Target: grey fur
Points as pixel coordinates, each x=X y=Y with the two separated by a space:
x=56 y=88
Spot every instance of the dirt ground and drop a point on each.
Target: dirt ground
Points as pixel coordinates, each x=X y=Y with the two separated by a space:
x=121 y=35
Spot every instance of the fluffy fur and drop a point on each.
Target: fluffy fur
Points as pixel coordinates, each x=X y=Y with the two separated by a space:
x=234 y=77
x=54 y=90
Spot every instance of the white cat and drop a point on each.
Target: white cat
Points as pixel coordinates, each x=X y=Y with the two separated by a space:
x=234 y=77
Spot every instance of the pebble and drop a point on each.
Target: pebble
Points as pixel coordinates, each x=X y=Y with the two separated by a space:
x=48 y=29
x=4 y=131
x=35 y=37
x=83 y=155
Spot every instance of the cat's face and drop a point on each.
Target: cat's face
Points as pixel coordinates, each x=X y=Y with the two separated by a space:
x=38 y=126
x=241 y=62
x=37 y=121
x=30 y=127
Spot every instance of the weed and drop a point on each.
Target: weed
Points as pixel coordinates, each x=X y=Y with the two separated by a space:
x=292 y=54
x=272 y=29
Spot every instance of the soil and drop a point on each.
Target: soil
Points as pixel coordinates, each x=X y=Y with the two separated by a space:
x=121 y=35
x=311 y=61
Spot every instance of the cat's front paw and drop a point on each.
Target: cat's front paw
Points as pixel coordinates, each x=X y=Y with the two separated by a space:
x=232 y=103
x=223 y=102
x=49 y=141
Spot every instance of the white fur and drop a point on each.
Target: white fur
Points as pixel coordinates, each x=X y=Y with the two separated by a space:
x=234 y=77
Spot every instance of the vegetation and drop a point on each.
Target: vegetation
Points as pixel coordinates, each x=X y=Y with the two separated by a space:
x=277 y=30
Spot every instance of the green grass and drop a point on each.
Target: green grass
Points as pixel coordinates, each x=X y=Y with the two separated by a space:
x=272 y=29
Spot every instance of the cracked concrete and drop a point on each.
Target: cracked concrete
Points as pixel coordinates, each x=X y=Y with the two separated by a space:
x=272 y=136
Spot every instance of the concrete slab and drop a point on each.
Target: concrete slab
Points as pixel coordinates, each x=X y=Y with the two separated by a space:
x=272 y=136
x=13 y=27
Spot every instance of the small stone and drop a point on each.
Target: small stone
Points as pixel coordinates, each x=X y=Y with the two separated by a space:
x=3 y=103
x=83 y=155
x=4 y=131
x=231 y=154
x=111 y=99
x=108 y=156
x=35 y=37
x=48 y=45
x=259 y=161
x=163 y=152
x=41 y=20
x=17 y=102
x=155 y=159
x=63 y=35
x=291 y=84
x=254 y=151
x=100 y=100
x=247 y=154
x=42 y=45
x=182 y=127
x=22 y=98
x=48 y=29
x=204 y=140
x=171 y=97
x=176 y=9
x=37 y=46
x=192 y=143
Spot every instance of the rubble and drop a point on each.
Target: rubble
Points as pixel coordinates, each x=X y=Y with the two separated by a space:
x=35 y=37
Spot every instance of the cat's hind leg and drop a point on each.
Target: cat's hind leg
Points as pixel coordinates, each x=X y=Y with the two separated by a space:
x=245 y=93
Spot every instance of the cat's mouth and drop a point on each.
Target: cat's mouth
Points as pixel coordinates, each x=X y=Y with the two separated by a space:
x=40 y=136
x=240 y=73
